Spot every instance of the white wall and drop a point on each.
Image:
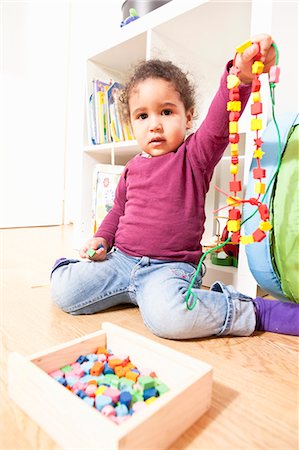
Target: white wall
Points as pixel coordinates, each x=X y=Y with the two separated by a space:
x=44 y=46
x=34 y=39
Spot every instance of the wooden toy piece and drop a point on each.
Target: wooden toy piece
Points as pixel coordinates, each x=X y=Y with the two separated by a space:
x=235 y=237
x=264 y=212
x=265 y=226
x=151 y=392
x=233 y=225
x=256 y=97
x=66 y=368
x=259 y=188
x=235 y=186
x=233 y=201
x=258 y=153
x=258 y=235
x=101 y=401
x=255 y=85
x=234 y=149
x=113 y=362
x=150 y=400
x=234 y=116
x=274 y=74
x=108 y=411
x=256 y=108
x=257 y=67
x=258 y=173
x=102 y=351
x=146 y=382
x=132 y=375
x=234 y=106
x=125 y=398
x=243 y=46
x=233 y=127
x=97 y=369
x=113 y=393
x=90 y=252
x=247 y=239
x=234 y=169
x=256 y=124
x=234 y=138
x=232 y=81
x=234 y=214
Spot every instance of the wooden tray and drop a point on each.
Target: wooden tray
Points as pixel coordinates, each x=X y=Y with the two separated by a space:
x=74 y=424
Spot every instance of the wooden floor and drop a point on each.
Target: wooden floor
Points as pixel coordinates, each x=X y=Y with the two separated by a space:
x=255 y=394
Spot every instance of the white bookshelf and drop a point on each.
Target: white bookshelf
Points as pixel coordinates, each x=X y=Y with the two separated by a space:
x=200 y=36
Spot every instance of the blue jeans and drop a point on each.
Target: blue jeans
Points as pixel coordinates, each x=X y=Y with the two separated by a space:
x=159 y=289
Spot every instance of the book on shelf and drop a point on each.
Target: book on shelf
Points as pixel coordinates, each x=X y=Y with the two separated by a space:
x=105 y=180
x=106 y=121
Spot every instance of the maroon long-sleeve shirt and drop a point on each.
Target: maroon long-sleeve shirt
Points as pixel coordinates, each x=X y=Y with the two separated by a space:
x=159 y=202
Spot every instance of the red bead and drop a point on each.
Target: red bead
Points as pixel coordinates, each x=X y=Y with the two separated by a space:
x=235 y=160
x=235 y=237
x=258 y=235
x=256 y=85
x=234 y=214
x=259 y=173
x=234 y=116
x=234 y=95
x=234 y=138
x=235 y=186
x=256 y=108
x=264 y=212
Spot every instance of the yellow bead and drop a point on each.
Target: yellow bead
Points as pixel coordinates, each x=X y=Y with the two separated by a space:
x=259 y=188
x=257 y=67
x=256 y=97
x=101 y=389
x=234 y=169
x=265 y=226
x=150 y=400
x=256 y=124
x=258 y=153
x=247 y=239
x=233 y=127
x=233 y=201
x=243 y=46
x=232 y=81
x=233 y=106
x=233 y=225
x=234 y=149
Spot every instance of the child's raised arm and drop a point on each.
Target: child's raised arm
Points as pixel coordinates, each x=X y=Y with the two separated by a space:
x=261 y=43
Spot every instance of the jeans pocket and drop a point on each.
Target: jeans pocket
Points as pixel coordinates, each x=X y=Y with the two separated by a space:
x=187 y=273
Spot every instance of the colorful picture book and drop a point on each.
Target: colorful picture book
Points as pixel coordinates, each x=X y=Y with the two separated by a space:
x=106 y=121
x=105 y=180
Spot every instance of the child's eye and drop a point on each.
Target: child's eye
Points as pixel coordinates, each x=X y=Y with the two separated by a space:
x=142 y=116
x=166 y=112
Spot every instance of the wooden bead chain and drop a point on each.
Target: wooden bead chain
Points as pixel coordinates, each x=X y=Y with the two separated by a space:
x=235 y=186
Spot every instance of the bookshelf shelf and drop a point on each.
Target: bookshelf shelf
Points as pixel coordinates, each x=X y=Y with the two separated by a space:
x=195 y=35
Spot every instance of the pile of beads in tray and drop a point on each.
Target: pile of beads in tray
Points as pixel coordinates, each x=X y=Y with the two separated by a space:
x=111 y=383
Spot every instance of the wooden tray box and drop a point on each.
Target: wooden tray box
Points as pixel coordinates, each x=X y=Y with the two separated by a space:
x=74 y=424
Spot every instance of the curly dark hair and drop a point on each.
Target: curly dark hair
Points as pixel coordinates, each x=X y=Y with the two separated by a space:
x=156 y=68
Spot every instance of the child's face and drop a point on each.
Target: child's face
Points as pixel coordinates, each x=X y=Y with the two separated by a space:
x=158 y=116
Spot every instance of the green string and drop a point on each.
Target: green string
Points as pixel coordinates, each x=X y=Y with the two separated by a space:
x=279 y=149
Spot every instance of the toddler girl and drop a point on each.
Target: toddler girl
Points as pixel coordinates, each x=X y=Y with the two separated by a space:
x=148 y=246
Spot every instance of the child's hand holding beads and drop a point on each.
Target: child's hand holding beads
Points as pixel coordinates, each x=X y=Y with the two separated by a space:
x=261 y=43
x=94 y=249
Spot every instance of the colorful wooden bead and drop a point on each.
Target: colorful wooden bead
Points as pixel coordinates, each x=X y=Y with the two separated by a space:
x=233 y=225
x=243 y=46
x=259 y=188
x=265 y=226
x=274 y=74
x=256 y=124
x=257 y=67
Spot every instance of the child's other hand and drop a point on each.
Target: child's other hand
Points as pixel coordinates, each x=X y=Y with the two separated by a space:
x=99 y=245
x=245 y=60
